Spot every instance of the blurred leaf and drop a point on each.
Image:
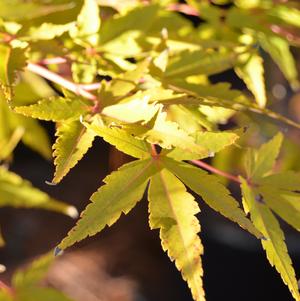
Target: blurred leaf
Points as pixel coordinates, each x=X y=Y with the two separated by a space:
x=252 y=73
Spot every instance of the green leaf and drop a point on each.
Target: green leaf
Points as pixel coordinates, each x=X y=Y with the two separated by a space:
x=135 y=110
x=55 y=108
x=123 y=141
x=72 y=143
x=11 y=61
x=212 y=142
x=41 y=293
x=49 y=31
x=284 y=203
x=287 y=180
x=199 y=62
x=34 y=273
x=88 y=23
x=35 y=136
x=264 y=158
x=18 y=10
x=6 y=149
x=165 y=133
x=122 y=190
x=211 y=191
x=139 y=19
x=16 y=192
x=289 y=15
x=274 y=244
x=252 y=73
x=172 y=210
x=279 y=50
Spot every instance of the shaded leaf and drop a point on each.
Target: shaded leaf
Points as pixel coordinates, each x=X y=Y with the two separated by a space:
x=274 y=244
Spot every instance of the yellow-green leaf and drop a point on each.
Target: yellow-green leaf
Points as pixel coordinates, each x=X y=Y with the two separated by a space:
x=55 y=109
x=264 y=158
x=122 y=190
x=215 y=194
x=274 y=243
x=123 y=141
x=72 y=143
x=252 y=73
x=172 y=209
x=17 y=192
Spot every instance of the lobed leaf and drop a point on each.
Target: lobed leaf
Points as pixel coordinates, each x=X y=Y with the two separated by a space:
x=72 y=143
x=55 y=108
x=122 y=190
x=172 y=209
x=212 y=192
x=274 y=244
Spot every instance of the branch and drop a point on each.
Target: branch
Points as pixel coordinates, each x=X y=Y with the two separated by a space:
x=45 y=73
x=216 y=171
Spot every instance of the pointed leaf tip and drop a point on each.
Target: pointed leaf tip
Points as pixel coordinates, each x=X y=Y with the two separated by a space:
x=58 y=251
x=72 y=212
x=50 y=183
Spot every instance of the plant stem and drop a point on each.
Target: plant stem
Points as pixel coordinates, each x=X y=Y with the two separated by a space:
x=216 y=171
x=44 y=72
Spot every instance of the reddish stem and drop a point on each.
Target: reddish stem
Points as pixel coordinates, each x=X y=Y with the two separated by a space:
x=154 y=153
x=216 y=171
x=44 y=72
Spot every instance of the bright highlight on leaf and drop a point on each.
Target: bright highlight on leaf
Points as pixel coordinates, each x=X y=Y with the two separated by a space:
x=172 y=210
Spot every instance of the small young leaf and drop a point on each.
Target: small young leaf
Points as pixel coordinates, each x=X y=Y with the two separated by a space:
x=73 y=141
x=172 y=210
x=122 y=190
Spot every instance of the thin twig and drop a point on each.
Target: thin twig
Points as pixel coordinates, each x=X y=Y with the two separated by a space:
x=45 y=73
x=216 y=171
x=53 y=60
